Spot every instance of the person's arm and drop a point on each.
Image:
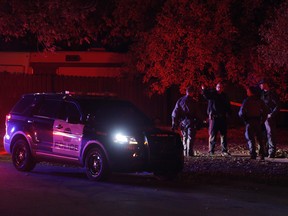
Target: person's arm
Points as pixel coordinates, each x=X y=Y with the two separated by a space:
x=175 y=116
x=265 y=112
x=242 y=112
x=276 y=103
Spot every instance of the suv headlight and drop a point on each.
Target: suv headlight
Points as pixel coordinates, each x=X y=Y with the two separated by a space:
x=124 y=139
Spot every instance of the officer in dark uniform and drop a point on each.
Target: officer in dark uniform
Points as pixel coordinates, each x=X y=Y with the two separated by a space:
x=254 y=113
x=272 y=101
x=186 y=115
x=218 y=110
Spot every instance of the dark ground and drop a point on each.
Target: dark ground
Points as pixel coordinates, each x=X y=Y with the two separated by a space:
x=238 y=166
x=216 y=185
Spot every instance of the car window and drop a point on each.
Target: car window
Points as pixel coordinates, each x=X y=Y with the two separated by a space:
x=48 y=108
x=22 y=105
x=70 y=113
x=114 y=111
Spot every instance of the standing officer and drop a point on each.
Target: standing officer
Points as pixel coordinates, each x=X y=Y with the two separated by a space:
x=254 y=112
x=185 y=115
x=218 y=110
x=272 y=101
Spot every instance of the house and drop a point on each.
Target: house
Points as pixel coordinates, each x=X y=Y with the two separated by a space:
x=93 y=63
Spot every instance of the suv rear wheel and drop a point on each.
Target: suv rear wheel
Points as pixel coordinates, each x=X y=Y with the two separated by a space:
x=21 y=156
x=96 y=165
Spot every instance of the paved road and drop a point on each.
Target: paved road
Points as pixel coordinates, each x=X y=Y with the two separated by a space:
x=58 y=190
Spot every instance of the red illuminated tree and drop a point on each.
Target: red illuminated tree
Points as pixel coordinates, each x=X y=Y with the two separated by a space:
x=274 y=52
x=128 y=20
x=194 y=42
x=49 y=21
x=201 y=42
x=187 y=44
x=170 y=42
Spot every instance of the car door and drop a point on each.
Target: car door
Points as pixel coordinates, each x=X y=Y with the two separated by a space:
x=42 y=123
x=68 y=131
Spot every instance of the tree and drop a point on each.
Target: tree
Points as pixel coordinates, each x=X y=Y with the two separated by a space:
x=188 y=43
x=124 y=25
x=274 y=50
x=169 y=42
x=49 y=21
x=195 y=42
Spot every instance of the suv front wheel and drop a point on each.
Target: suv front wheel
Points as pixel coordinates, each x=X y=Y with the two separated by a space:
x=21 y=156
x=96 y=165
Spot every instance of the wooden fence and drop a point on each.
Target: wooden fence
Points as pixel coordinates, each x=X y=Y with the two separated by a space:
x=13 y=85
x=159 y=107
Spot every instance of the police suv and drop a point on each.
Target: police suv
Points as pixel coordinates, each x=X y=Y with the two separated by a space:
x=102 y=134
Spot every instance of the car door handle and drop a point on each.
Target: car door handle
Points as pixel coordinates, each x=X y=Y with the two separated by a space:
x=59 y=126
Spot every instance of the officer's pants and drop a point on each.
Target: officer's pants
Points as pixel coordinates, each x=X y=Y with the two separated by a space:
x=270 y=126
x=217 y=125
x=253 y=135
x=188 y=139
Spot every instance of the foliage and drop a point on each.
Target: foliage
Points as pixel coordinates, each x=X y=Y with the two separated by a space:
x=48 y=21
x=199 y=42
x=202 y=42
x=274 y=50
x=169 y=42
x=127 y=20
x=187 y=45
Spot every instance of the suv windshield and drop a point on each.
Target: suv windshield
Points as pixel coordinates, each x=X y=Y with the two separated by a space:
x=113 y=111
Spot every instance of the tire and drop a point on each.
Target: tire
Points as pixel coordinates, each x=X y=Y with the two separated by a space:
x=96 y=165
x=21 y=156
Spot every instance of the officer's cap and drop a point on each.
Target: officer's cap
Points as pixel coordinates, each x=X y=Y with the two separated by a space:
x=262 y=81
